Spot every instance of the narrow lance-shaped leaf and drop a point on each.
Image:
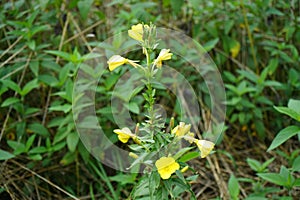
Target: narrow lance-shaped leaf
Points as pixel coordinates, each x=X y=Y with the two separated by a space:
x=283 y=136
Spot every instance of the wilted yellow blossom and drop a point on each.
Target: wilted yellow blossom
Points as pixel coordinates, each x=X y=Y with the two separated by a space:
x=117 y=60
x=163 y=55
x=181 y=129
x=136 y=32
x=205 y=147
x=166 y=166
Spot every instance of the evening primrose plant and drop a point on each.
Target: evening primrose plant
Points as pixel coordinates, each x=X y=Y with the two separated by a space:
x=155 y=147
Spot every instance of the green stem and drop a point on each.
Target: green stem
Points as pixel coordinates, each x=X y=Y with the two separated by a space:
x=150 y=91
x=249 y=36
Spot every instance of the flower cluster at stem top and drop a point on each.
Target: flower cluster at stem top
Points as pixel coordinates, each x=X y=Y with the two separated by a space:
x=165 y=165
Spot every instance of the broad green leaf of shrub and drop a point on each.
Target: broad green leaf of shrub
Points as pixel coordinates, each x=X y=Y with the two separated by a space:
x=4 y=155
x=210 y=44
x=18 y=147
x=254 y=164
x=284 y=178
x=294 y=105
x=72 y=141
x=84 y=8
x=49 y=80
x=29 y=86
x=123 y=178
x=273 y=178
x=297 y=182
x=283 y=136
x=65 y=108
x=288 y=111
x=61 y=54
x=233 y=186
x=154 y=182
x=12 y=85
x=296 y=164
x=39 y=129
x=10 y=101
x=38 y=150
x=29 y=142
x=181 y=152
x=189 y=156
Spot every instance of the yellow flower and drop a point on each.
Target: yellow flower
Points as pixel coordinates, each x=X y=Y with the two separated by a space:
x=166 y=166
x=163 y=55
x=124 y=134
x=136 y=32
x=117 y=60
x=181 y=129
x=205 y=147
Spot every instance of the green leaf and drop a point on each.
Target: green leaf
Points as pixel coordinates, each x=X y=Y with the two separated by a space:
x=133 y=107
x=273 y=178
x=176 y=6
x=211 y=44
x=39 y=129
x=228 y=26
x=254 y=164
x=181 y=152
x=123 y=179
x=68 y=158
x=189 y=156
x=84 y=7
x=38 y=150
x=272 y=66
x=283 y=136
x=288 y=177
x=35 y=157
x=61 y=54
x=288 y=111
x=296 y=164
x=154 y=182
x=297 y=183
x=18 y=147
x=294 y=105
x=233 y=186
x=58 y=146
x=11 y=85
x=4 y=155
x=31 y=44
x=63 y=74
x=72 y=141
x=267 y=163
x=65 y=108
x=49 y=80
x=29 y=142
x=29 y=86
x=10 y=101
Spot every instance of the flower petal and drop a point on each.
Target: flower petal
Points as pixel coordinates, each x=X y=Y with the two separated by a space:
x=163 y=55
x=116 y=61
x=205 y=147
x=166 y=166
x=124 y=134
x=181 y=129
x=136 y=32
